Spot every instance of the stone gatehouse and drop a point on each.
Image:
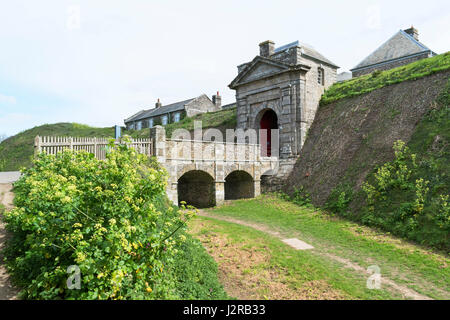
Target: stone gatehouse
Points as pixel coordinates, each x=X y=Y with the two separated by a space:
x=280 y=89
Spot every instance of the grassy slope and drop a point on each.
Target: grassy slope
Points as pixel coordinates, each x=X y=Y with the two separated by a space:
x=405 y=263
x=369 y=120
x=222 y=120
x=376 y=80
x=16 y=151
x=430 y=142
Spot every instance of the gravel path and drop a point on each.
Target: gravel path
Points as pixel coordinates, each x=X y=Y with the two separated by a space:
x=9 y=176
x=405 y=291
x=7 y=291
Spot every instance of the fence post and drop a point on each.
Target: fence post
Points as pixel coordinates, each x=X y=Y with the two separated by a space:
x=37 y=145
x=95 y=147
x=71 y=143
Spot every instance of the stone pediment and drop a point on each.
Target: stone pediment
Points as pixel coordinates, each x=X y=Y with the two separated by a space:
x=259 y=68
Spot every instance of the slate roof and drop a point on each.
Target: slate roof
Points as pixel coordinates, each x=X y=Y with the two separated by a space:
x=306 y=50
x=398 y=46
x=144 y=114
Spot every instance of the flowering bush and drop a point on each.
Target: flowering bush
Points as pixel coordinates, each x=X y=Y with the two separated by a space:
x=108 y=218
x=400 y=200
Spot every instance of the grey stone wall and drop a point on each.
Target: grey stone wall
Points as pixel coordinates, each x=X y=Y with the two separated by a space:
x=291 y=90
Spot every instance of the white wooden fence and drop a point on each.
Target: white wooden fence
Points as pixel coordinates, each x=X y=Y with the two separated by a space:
x=96 y=146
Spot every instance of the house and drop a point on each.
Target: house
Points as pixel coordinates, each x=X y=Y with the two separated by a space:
x=402 y=48
x=162 y=115
x=343 y=76
x=280 y=89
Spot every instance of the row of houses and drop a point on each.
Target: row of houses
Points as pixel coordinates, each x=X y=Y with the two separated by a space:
x=402 y=48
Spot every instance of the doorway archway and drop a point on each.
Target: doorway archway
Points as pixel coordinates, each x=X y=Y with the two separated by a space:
x=268 y=120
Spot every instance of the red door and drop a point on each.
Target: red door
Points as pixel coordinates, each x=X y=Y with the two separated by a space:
x=268 y=122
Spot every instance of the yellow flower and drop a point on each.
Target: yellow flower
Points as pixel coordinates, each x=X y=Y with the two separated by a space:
x=149 y=289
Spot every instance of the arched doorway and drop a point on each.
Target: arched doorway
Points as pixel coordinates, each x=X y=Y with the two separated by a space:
x=239 y=185
x=197 y=189
x=268 y=121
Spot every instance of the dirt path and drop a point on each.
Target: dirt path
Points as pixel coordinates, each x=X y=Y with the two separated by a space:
x=7 y=291
x=405 y=291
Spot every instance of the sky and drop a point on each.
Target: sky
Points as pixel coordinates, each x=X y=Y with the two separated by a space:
x=98 y=62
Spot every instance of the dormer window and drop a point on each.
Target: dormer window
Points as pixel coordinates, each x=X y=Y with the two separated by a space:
x=320 y=76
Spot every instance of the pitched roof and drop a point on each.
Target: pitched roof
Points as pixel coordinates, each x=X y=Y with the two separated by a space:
x=161 y=110
x=399 y=45
x=258 y=60
x=306 y=50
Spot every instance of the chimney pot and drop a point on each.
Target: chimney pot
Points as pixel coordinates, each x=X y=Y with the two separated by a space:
x=413 y=32
x=266 y=48
x=217 y=100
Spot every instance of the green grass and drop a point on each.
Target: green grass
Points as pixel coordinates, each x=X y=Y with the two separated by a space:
x=296 y=266
x=222 y=120
x=17 y=151
x=196 y=273
x=370 y=82
x=421 y=269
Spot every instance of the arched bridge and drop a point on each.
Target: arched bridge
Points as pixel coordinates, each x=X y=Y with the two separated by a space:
x=205 y=173
x=201 y=173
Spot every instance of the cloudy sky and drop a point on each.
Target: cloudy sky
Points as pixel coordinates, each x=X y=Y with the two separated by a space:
x=97 y=62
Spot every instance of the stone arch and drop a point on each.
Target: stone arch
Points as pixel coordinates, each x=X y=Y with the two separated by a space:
x=197 y=188
x=239 y=184
x=266 y=119
x=235 y=167
x=207 y=168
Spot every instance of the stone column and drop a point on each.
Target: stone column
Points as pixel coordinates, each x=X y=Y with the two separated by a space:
x=172 y=191
x=158 y=135
x=257 y=187
x=220 y=192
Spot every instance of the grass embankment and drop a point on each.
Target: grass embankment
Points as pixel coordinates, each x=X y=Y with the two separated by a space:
x=17 y=151
x=222 y=120
x=379 y=79
x=263 y=266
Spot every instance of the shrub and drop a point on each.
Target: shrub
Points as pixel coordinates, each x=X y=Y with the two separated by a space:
x=400 y=200
x=339 y=199
x=104 y=217
x=196 y=273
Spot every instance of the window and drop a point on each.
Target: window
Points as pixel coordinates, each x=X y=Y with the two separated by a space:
x=320 y=76
x=139 y=125
x=150 y=123
x=164 y=120
x=176 y=117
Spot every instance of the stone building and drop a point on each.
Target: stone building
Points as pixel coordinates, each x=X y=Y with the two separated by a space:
x=280 y=89
x=162 y=115
x=402 y=48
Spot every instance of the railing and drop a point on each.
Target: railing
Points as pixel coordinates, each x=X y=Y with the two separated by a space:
x=96 y=146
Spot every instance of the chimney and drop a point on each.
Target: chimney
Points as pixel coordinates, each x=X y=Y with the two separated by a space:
x=217 y=100
x=266 y=48
x=413 y=32
x=158 y=104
